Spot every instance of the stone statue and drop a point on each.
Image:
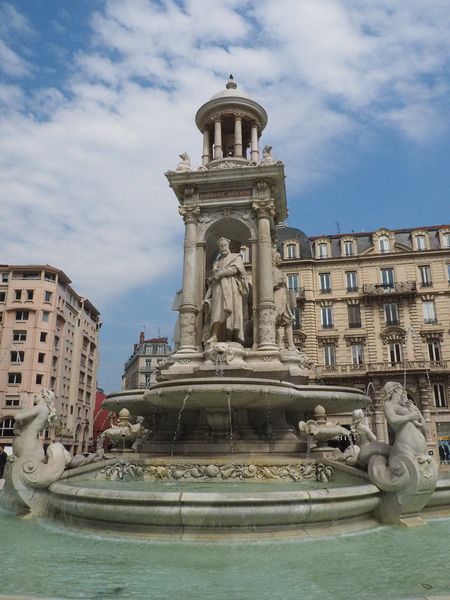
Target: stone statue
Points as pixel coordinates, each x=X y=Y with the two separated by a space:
x=124 y=431
x=319 y=430
x=283 y=315
x=31 y=421
x=362 y=434
x=404 y=470
x=29 y=468
x=267 y=159
x=225 y=296
x=184 y=164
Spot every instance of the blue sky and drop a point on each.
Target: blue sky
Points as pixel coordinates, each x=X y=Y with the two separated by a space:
x=97 y=99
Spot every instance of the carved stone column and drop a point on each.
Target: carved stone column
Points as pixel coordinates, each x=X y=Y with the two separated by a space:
x=238 y=135
x=206 y=156
x=264 y=211
x=254 y=149
x=218 y=150
x=188 y=308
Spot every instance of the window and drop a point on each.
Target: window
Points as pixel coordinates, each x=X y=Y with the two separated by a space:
x=385 y=244
x=43 y=336
x=322 y=250
x=19 y=336
x=48 y=296
x=41 y=357
x=2 y=296
x=395 y=352
x=351 y=281
x=446 y=240
x=421 y=242
x=439 y=395
x=429 y=312
x=357 y=354
x=30 y=294
x=7 y=427
x=327 y=317
x=5 y=277
x=325 y=283
x=12 y=401
x=329 y=355
x=292 y=282
x=45 y=316
x=354 y=315
x=448 y=273
x=348 y=249
x=39 y=379
x=17 y=356
x=18 y=294
x=291 y=251
x=22 y=315
x=387 y=277
x=297 y=320
x=391 y=313
x=425 y=276
x=14 y=377
x=434 y=350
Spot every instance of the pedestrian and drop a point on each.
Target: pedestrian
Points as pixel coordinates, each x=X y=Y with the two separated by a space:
x=3 y=458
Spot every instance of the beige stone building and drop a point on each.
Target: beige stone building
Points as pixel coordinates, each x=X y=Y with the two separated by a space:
x=48 y=339
x=140 y=368
x=373 y=307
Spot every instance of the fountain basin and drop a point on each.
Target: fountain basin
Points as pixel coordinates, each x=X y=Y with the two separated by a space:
x=235 y=392
x=291 y=506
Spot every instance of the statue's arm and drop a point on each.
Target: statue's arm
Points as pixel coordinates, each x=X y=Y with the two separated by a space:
x=228 y=272
x=394 y=418
x=29 y=413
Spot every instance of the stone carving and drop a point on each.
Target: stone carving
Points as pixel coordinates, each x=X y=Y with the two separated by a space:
x=267 y=159
x=184 y=164
x=362 y=435
x=221 y=354
x=224 y=299
x=266 y=325
x=283 y=315
x=264 y=209
x=29 y=468
x=217 y=472
x=124 y=432
x=319 y=431
x=188 y=330
x=404 y=470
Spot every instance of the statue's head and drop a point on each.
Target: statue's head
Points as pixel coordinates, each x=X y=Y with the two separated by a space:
x=47 y=397
x=224 y=245
x=358 y=415
x=276 y=257
x=391 y=389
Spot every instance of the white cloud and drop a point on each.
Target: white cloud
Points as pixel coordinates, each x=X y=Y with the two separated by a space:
x=82 y=168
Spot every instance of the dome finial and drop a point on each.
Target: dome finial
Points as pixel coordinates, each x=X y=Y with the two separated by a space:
x=231 y=83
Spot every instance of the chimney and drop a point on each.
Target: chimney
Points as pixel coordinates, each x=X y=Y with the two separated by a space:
x=141 y=337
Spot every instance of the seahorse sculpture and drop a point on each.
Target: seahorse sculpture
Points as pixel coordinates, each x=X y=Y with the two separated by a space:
x=29 y=468
x=404 y=470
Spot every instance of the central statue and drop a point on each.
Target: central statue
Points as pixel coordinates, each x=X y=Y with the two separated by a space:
x=225 y=296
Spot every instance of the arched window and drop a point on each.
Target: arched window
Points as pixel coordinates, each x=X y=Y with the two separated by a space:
x=291 y=251
x=385 y=244
x=7 y=427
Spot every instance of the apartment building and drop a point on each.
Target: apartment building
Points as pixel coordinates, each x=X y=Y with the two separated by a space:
x=48 y=339
x=140 y=368
x=373 y=307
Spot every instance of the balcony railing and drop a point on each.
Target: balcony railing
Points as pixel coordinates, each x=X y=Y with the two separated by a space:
x=415 y=365
x=403 y=288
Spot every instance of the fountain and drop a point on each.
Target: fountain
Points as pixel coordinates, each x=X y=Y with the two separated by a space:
x=232 y=437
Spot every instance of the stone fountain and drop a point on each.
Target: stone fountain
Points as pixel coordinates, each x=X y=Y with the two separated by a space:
x=225 y=410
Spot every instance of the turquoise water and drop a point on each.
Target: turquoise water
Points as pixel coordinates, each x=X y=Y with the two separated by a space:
x=42 y=559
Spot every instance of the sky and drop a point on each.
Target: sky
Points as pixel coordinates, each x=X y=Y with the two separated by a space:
x=98 y=98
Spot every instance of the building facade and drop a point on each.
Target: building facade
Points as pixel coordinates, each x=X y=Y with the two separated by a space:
x=48 y=339
x=140 y=368
x=375 y=307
